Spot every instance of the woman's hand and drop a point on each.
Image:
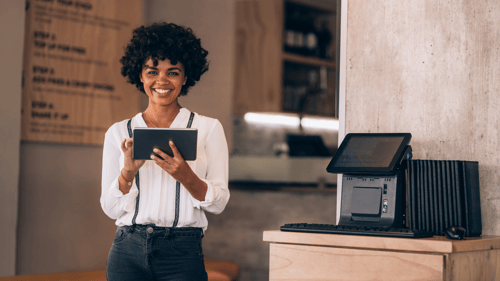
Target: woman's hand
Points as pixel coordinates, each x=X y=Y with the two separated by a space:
x=174 y=166
x=180 y=170
x=131 y=166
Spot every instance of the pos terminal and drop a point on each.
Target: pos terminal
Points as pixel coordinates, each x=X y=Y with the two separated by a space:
x=373 y=181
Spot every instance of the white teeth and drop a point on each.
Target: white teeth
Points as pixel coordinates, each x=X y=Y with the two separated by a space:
x=162 y=91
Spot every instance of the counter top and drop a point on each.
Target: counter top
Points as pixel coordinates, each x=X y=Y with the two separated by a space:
x=436 y=244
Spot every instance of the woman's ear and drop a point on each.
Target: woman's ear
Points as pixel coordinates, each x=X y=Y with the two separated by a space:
x=185 y=79
x=140 y=77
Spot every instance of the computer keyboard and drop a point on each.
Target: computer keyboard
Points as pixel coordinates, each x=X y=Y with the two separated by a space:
x=355 y=230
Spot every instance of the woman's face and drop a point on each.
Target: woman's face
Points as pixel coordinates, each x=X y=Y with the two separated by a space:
x=163 y=83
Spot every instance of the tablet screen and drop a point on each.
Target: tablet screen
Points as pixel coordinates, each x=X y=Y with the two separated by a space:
x=377 y=152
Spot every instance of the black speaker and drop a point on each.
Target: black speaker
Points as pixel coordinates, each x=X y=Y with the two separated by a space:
x=443 y=193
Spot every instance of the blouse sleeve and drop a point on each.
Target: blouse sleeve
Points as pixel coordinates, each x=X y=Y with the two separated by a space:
x=217 y=172
x=113 y=202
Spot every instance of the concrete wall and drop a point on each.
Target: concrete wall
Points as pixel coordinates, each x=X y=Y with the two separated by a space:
x=430 y=68
x=11 y=55
x=61 y=224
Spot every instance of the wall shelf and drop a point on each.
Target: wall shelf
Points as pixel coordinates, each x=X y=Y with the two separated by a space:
x=309 y=60
x=319 y=9
x=274 y=75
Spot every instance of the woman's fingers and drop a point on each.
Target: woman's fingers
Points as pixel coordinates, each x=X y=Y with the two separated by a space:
x=169 y=159
x=176 y=152
x=175 y=166
x=162 y=154
x=130 y=163
x=123 y=145
x=127 y=143
x=169 y=163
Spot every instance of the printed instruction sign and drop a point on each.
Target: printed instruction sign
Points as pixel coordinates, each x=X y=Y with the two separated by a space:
x=72 y=86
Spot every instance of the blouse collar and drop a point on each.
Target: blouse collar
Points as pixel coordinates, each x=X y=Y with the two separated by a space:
x=180 y=121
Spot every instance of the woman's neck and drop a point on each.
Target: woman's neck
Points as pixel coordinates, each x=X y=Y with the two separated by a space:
x=160 y=117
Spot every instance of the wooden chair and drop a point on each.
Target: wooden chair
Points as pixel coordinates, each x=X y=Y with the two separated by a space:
x=216 y=267
x=97 y=275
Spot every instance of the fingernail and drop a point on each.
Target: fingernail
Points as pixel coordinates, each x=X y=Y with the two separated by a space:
x=171 y=142
x=152 y=156
x=155 y=149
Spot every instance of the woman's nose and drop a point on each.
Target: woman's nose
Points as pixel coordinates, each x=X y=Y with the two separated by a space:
x=163 y=78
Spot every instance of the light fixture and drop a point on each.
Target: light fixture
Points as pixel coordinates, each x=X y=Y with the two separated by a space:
x=323 y=123
x=292 y=120
x=274 y=119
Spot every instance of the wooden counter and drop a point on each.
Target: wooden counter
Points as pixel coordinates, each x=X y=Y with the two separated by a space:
x=309 y=256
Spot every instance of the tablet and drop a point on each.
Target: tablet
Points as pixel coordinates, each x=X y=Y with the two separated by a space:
x=145 y=139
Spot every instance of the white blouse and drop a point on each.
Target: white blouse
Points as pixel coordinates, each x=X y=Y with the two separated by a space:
x=157 y=187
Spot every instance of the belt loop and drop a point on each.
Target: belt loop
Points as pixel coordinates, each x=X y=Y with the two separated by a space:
x=167 y=232
x=131 y=228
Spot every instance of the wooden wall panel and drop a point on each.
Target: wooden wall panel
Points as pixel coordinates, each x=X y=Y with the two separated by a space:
x=72 y=86
x=259 y=25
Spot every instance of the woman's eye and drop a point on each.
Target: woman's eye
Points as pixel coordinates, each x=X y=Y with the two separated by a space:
x=173 y=74
x=152 y=72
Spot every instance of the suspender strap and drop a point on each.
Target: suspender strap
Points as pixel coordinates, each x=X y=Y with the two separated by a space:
x=190 y=122
x=178 y=184
x=137 y=182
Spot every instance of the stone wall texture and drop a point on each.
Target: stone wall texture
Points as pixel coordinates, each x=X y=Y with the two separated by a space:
x=430 y=68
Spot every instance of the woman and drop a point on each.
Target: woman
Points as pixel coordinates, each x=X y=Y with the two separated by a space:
x=159 y=205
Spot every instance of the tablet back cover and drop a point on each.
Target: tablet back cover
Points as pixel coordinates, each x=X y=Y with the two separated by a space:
x=145 y=139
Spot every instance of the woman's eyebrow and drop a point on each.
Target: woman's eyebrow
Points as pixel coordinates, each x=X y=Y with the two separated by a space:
x=155 y=68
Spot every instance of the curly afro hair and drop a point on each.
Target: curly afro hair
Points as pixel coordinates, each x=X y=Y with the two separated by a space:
x=161 y=41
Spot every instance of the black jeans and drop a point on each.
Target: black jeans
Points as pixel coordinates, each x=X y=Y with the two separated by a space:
x=148 y=252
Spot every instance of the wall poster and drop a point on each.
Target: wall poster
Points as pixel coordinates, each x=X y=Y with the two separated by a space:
x=72 y=86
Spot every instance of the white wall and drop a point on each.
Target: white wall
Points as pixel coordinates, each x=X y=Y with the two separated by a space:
x=11 y=56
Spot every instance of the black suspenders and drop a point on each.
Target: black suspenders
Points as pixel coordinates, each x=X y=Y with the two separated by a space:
x=177 y=184
x=137 y=182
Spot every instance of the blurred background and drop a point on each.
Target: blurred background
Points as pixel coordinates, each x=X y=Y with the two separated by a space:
x=273 y=85
x=425 y=67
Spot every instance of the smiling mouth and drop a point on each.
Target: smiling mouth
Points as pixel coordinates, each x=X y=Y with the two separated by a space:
x=162 y=91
